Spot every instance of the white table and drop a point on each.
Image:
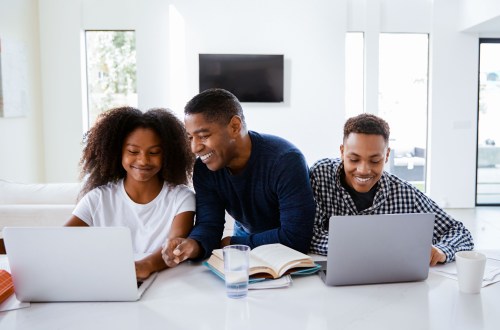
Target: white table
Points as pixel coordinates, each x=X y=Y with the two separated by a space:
x=191 y=297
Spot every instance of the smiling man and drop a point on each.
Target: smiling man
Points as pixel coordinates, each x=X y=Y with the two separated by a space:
x=357 y=184
x=261 y=180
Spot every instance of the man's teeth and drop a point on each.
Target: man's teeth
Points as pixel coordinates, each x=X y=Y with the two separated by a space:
x=362 y=179
x=206 y=156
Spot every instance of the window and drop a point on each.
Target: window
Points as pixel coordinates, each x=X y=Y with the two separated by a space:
x=488 y=134
x=403 y=72
x=111 y=72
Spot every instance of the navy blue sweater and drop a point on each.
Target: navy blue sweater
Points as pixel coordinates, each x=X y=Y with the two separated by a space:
x=272 y=198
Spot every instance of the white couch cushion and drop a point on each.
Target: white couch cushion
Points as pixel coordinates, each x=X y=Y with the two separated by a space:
x=34 y=215
x=38 y=193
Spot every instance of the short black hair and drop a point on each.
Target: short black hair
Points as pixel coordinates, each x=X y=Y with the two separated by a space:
x=367 y=123
x=217 y=105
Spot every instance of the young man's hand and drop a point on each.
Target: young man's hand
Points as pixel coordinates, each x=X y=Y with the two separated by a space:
x=437 y=256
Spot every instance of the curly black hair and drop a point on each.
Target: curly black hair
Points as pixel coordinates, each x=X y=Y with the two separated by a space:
x=366 y=123
x=101 y=161
x=217 y=105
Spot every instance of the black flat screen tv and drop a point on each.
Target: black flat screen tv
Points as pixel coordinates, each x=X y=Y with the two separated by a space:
x=251 y=78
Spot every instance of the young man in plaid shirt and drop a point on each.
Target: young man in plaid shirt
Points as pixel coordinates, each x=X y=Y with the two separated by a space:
x=357 y=184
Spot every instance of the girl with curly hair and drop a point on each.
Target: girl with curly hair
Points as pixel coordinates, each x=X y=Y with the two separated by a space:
x=135 y=168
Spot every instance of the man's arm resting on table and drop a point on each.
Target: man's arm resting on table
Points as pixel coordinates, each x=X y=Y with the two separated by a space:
x=450 y=235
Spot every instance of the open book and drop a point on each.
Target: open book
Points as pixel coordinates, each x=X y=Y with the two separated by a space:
x=269 y=261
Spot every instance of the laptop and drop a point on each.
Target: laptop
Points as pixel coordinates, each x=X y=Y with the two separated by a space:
x=73 y=264
x=384 y=248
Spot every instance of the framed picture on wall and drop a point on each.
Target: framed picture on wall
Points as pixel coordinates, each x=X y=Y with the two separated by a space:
x=1 y=82
x=13 y=79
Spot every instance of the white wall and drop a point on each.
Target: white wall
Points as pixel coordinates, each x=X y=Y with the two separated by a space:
x=453 y=108
x=311 y=35
x=479 y=17
x=60 y=58
x=21 y=156
x=452 y=89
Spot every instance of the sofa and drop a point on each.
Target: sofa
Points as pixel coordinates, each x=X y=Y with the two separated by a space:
x=408 y=164
x=36 y=204
x=45 y=204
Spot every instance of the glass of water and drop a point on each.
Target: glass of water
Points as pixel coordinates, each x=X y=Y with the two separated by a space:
x=236 y=263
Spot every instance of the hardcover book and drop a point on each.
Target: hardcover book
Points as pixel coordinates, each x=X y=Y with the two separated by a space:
x=6 y=285
x=269 y=261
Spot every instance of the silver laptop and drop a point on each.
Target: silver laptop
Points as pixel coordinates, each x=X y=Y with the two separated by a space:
x=385 y=248
x=73 y=264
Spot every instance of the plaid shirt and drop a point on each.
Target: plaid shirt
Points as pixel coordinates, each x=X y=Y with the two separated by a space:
x=393 y=195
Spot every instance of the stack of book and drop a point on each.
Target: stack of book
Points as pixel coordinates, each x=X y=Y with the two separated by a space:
x=271 y=263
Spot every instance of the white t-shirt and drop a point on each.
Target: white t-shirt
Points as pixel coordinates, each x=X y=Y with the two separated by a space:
x=109 y=206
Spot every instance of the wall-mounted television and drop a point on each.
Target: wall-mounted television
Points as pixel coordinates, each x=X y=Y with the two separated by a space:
x=251 y=78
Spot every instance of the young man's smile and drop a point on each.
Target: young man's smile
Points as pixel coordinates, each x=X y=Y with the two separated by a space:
x=364 y=157
x=363 y=180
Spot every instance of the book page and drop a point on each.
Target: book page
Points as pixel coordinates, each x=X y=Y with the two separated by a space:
x=255 y=264
x=280 y=257
x=282 y=282
x=217 y=260
x=218 y=253
x=273 y=259
x=491 y=271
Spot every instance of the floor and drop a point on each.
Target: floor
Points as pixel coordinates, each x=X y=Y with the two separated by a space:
x=483 y=223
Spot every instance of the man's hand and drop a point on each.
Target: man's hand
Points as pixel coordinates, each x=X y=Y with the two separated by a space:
x=178 y=249
x=437 y=256
x=225 y=241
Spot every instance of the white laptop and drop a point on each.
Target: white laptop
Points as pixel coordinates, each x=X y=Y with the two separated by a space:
x=73 y=264
x=385 y=248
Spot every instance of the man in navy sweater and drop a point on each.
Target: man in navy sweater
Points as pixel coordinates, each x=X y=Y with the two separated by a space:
x=261 y=180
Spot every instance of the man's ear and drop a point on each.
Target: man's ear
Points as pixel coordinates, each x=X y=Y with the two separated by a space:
x=235 y=125
x=387 y=154
x=342 y=151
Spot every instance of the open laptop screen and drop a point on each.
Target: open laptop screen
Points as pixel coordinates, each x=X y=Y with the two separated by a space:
x=383 y=248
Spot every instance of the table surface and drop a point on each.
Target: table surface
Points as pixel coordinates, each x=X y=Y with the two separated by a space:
x=191 y=297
